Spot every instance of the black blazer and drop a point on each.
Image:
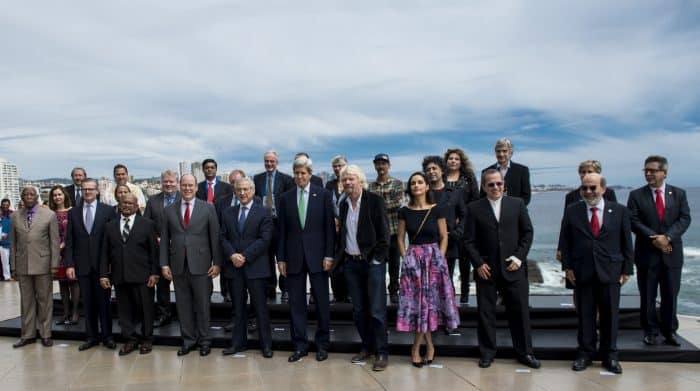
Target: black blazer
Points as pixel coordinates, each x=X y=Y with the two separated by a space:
x=315 y=180
x=252 y=243
x=155 y=209
x=220 y=189
x=490 y=241
x=132 y=261
x=575 y=196
x=83 y=250
x=645 y=222
x=372 y=229
x=283 y=183
x=70 y=190
x=315 y=241
x=454 y=210
x=517 y=181
x=607 y=256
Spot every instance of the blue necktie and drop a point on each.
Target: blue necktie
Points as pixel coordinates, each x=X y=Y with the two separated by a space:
x=241 y=219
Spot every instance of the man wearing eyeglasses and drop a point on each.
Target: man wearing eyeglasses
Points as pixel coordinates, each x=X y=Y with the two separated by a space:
x=83 y=249
x=660 y=216
x=498 y=236
x=596 y=254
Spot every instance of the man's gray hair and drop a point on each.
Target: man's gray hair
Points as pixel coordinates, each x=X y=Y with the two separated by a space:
x=353 y=169
x=303 y=162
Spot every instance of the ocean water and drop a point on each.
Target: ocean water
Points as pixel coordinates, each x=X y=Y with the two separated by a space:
x=546 y=211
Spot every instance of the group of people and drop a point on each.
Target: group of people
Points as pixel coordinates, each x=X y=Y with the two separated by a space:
x=252 y=230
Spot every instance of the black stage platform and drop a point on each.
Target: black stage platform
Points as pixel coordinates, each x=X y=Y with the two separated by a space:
x=553 y=331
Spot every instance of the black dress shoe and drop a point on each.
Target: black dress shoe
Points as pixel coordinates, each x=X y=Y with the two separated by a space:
x=464 y=299
x=231 y=350
x=162 y=321
x=394 y=298
x=127 y=348
x=360 y=357
x=109 y=344
x=380 y=363
x=267 y=353
x=670 y=339
x=48 y=342
x=613 y=366
x=62 y=322
x=285 y=297
x=23 y=342
x=252 y=325
x=184 y=350
x=87 y=345
x=228 y=327
x=321 y=355
x=296 y=356
x=204 y=350
x=530 y=361
x=649 y=339
x=146 y=348
x=485 y=362
x=580 y=364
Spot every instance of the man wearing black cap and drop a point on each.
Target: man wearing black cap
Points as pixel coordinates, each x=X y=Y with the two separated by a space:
x=391 y=189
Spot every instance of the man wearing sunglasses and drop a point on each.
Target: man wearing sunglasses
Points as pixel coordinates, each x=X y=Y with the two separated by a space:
x=596 y=254
x=660 y=216
x=498 y=235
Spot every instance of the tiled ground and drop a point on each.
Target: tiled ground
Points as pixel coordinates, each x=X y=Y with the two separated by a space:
x=35 y=367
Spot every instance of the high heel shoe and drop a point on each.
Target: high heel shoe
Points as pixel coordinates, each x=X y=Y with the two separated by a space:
x=427 y=360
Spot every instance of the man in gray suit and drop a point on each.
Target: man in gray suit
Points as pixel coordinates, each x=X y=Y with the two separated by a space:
x=34 y=256
x=190 y=256
x=154 y=211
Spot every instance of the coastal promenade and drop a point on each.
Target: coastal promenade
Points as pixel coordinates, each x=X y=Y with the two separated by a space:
x=62 y=367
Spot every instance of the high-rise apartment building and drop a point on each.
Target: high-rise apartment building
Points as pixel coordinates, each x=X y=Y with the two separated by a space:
x=185 y=168
x=9 y=182
x=197 y=171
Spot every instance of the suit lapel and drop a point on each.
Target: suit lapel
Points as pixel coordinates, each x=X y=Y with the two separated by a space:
x=668 y=200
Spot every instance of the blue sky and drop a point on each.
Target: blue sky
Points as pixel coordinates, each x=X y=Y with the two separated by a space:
x=149 y=85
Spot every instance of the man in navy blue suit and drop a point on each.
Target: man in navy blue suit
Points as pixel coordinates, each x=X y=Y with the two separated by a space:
x=596 y=253
x=246 y=230
x=305 y=247
x=211 y=187
x=86 y=225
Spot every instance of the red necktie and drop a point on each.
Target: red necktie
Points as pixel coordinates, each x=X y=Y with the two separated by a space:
x=595 y=225
x=659 y=204
x=210 y=193
x=186 y=220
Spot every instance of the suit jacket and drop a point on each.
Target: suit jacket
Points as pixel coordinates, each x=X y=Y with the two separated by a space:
x=83 y=250
x=132 y=261
x=575 y=196
x=252 y=243
x=36 y=249
x=70 y=189
x=220 y=189
x=488 y=240
x=372 y=229
x=223 y=203
x=198 y=243
x=607 y=256
x=517 y=181
x=283 y=183
x=645 y=222
x=452 y=204
x=312 y=243
x=316 y=180
x=155 y=209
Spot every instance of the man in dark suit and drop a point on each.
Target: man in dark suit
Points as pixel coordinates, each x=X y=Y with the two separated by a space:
x=190 y=256
x=211 y=187
x=228 y=200
x=596 y=252
x=660 y=216
x=306 y=236
x=246 y=230
x=269 y=186
x=363 y=249
x=155 y=208
x=130 y=260
x=497 y=239
x=83 y=249
x=516 y=176
x=74 y=192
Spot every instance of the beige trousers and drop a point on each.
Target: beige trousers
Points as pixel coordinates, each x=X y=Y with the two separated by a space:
x=36 y=297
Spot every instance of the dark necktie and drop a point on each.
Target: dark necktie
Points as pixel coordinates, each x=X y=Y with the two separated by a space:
x=186 y=219
x=595 y=224
x=78 y=196
x=268 y=192
x=659 y=204
x=241 y=219
x=126 y=230
x=30 y=217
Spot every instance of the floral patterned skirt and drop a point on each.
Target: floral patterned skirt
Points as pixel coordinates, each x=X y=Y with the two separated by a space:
x=426 y=295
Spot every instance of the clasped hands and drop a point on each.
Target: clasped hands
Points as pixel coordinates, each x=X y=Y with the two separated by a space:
x=662 y=243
